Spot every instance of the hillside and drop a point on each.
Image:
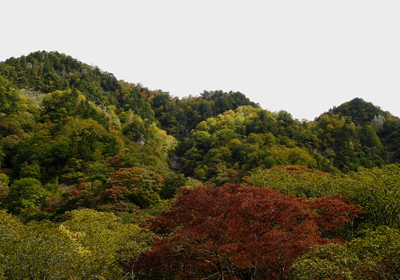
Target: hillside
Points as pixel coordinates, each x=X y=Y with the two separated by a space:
x=86 y=117
x=74 y=137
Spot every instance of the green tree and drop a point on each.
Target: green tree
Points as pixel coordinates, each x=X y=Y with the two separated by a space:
x=104 y=242
x=374 y=256
x=11 y=100
x=25 y=194
x=89 y=245
x=376 y=189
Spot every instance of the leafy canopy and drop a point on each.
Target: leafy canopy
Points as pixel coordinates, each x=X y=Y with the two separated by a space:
x=238 y=232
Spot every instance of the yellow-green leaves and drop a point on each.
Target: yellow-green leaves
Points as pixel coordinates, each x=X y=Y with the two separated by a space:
x=377 y=190
x=90 y=245
x=375 y=256
x=103 y=242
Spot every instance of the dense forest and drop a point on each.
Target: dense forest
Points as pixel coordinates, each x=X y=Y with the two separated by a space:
x=105 y=179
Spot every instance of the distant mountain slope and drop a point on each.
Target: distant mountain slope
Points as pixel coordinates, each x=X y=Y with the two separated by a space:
x=180 y=116
x=364 y=114
x=72 y=135
x=215 y=134
x=359 y=111
x=48 y=71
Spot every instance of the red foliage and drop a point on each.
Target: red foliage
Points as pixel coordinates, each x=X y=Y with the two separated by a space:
x=135 y=184
x=114 y=161
x=130 y=176
x=238 y=232
x=333 y=211
x=49 y=209
x=80 y=188
x=113 y=195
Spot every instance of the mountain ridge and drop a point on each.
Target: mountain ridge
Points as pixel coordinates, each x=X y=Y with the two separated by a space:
x=79 y=119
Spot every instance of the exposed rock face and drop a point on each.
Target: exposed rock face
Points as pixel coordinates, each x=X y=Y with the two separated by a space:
x=329 y=151
x=141 y=142
x=35 y=95
x=377 y=123
x=31 y=92
x=175 y=164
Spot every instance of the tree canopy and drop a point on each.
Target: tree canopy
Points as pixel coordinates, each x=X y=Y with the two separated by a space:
x=85 y=158
x=238 y=232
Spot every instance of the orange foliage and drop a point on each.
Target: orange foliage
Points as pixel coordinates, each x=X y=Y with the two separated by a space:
x=80 y=188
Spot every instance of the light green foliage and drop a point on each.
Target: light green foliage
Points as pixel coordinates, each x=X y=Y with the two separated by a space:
x=192 y=183
x=52 y=146
x=135 y=129
x=30 y=171
x=377 y=190
x=4 y=179
x=26 y=194
x=179 y=116
x=374 y=256
x=39 y=251
x=90 y=245
x=292 y=156
x=34 y=251
x=242 y=140
x=145 y=132
x=369 y=137
x=104 y=242
x=114 y=119
x=4 y=189
x=9 y=231
x=61 y=104
x=11 y=100
x=291 y=180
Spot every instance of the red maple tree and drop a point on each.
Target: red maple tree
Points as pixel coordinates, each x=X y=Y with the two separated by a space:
x=238 y=232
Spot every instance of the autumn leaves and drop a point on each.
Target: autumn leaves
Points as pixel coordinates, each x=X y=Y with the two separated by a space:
x=239 y=232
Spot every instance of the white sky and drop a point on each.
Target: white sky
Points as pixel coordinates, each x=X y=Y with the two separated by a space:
x=301 y=56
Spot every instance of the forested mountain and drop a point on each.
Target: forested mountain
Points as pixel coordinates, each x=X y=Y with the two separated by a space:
x=365 y=114
x=77 y=145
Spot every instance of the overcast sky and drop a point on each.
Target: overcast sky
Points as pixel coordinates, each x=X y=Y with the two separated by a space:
x=300 y=56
